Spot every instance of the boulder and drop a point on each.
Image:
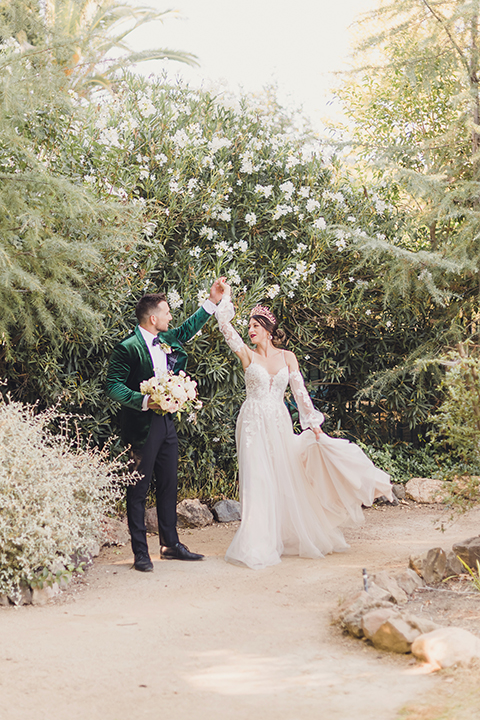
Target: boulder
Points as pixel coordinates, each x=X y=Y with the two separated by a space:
x=374 y=619
x=151 y=520
x=395 y=635
x=399 y=491
x=447 y=646
x=430 y=565
x=453 y=566
x=113 y=531
x=409 y=581
x=388 y=583
x=193 y=513
x=469 y=551
x=4 y=600
x=423 y=625
x=227 y=510
x=378 y=593
x=351 y=612
x=40 y=596
x=425 y=490
x=21 y=595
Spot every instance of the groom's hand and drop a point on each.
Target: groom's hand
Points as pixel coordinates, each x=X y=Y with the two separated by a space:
x=217 y=290
x=152 y=405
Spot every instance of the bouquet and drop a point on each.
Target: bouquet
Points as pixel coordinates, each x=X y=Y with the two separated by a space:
x=173 y=393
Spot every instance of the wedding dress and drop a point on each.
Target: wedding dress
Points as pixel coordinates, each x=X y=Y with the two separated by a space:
x=296 y=492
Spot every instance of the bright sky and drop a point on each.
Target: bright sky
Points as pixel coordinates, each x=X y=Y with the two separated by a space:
x=251 y=43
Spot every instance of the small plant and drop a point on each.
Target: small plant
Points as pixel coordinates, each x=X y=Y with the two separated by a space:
x=474 y=576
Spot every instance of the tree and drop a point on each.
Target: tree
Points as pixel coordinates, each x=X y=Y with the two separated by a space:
x=87 y=39
x=413 y=108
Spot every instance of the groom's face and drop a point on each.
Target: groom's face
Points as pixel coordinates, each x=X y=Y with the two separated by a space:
x=161 y=317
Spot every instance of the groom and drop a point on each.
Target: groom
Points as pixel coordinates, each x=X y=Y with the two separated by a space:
x=149 y=349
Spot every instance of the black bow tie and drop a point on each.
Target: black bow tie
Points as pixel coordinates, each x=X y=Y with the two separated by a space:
x=156 y=341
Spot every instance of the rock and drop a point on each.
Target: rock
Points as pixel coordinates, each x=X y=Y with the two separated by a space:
x=378 y=593
x=40 y=596
x=227 y=510
x=21 y=596
x=374 y=619
x=81 y=560
x=351 y=612
x=430 y=565
x=193 y=513
x=423 y=625
x=395 y=635
x=151 y=520
x=388 y=583
x=425 y=490
x=409 y=581
x=399 y=490
x=417 y=563
x=383 y=500
x=95 y=550
x=447 y=646
x=113 y=531
x=453 y=566
x=469 y=551
x=4 y=600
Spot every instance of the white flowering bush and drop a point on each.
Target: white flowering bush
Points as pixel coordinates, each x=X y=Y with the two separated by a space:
x=52 y=495
x=229 y=187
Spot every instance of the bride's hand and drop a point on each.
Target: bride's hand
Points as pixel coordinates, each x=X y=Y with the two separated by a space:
x=219 y=290
x=318 y=431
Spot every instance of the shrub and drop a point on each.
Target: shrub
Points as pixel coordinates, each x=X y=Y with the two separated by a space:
x=52 y=495
x=457 y=419
x=402 y=461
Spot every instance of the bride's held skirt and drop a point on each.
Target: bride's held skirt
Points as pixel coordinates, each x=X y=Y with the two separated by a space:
x=296 y=492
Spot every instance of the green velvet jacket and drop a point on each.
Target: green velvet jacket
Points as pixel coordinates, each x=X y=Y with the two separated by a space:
x=131 y=364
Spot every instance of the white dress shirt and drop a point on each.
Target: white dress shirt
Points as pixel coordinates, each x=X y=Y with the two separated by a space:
x=159 y=358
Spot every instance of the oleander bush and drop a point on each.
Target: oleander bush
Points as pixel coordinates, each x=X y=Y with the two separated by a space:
x=52 y=495
x=156 y=186
x=215 y=185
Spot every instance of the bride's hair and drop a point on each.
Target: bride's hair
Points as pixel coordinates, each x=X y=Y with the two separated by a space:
x=278 y=335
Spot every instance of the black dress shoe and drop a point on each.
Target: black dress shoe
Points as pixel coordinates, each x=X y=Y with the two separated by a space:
x=143 y=563
x=178 y=552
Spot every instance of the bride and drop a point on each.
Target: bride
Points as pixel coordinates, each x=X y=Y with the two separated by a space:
x=296 y=491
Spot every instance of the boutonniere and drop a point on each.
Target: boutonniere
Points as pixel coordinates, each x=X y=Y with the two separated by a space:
x=166 y=348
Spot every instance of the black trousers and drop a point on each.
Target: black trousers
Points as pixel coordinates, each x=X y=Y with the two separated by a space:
x=158 y=458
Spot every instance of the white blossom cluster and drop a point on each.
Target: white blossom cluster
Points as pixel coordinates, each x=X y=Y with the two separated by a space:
x=300 y=271
x=174 y=299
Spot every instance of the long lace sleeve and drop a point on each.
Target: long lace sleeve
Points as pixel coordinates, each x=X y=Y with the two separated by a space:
x=224 y=313
x=309 y=417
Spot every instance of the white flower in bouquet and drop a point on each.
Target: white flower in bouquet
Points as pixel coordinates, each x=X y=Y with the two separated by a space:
x=172 y=393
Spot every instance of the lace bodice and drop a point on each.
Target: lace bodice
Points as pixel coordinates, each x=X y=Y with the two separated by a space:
x=262 y=386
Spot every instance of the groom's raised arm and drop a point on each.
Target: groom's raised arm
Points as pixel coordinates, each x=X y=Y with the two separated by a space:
x=196 y=321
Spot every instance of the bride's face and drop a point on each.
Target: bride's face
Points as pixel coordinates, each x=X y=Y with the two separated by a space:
x=257 y=332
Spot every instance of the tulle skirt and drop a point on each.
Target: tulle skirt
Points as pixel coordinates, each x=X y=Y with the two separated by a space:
x=296 y=492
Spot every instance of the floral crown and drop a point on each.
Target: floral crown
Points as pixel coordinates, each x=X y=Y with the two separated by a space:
x=264 y=312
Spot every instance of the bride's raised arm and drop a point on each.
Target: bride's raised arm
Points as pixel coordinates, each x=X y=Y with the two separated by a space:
x=224 y=313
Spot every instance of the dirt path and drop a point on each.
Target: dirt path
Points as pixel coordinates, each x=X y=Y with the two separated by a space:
x=211 y=640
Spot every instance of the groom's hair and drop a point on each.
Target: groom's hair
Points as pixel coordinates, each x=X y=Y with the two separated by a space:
x=147 y=304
